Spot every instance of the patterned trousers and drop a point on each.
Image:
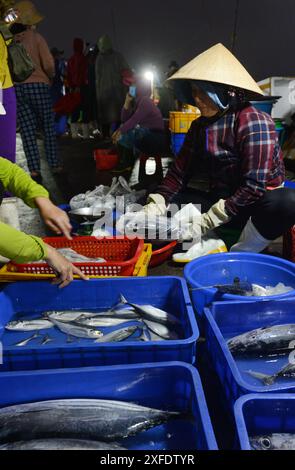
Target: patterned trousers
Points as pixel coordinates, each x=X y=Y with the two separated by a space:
x=34 y=111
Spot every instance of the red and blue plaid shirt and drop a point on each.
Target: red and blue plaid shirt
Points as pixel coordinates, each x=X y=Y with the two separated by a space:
x=244 y=156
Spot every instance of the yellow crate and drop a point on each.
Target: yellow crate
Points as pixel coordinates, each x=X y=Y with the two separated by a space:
x=180 y=123
x=140 y=270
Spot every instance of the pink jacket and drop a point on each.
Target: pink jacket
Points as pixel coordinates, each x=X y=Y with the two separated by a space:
x=38 y=50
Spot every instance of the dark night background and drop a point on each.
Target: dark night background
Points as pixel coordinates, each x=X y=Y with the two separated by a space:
x=156 y=31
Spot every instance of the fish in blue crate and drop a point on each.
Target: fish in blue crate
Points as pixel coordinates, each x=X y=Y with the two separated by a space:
x=264 y=340
x=125 y=320
x=267 y=342
x=75 y=423
x=276 y=441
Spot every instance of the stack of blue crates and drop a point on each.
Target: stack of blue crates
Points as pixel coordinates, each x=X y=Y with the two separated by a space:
x=256 y=408
x=156 y=374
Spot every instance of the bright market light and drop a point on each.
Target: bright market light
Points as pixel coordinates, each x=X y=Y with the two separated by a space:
x=149 y=76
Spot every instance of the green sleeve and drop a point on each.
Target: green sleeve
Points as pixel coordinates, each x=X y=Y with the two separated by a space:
x=19 y=247
x=19 y=183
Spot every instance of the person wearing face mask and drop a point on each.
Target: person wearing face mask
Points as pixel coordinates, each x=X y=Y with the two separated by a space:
x=142 y=128
x=110 y=89
x=231 y=162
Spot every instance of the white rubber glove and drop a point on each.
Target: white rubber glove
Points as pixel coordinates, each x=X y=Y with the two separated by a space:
x=215 y=217
x=156 y=205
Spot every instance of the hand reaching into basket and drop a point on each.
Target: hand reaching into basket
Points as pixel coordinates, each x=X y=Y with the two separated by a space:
x=63 y=269
x=56 y=219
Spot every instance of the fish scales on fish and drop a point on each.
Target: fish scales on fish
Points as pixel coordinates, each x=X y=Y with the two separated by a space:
x=264 y=340
x=105 y=420
x=29 y=325
x=275 y=441
x=118 y=335
x=161 y=331
x=104 y=321
x=60 y=444
x=152 y=313
x=287 y=372
x=77 y=330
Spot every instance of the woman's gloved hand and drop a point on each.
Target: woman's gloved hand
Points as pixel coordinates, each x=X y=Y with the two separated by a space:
x=62 y=267
x=156 y=205
x=215 y=217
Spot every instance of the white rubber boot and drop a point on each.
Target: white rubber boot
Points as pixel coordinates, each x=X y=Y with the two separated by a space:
x=74 y=130
x=250 y=240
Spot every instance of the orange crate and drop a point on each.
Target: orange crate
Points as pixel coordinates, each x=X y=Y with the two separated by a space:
x=121 y=254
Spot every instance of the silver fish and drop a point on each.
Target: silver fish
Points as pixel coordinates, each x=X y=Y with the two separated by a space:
x=74 y=257
x=28 y=340
x=74 y=315
x=152 y=313
x=287 y=372
x=60 y=444
x=118 y=335
x=160 y=330
x=68 y=315
x=46 y=340
x=264 y=340
x=29 y=325
x=77 y=330
x=103 y=420
x=282 y=441
x=102 y=321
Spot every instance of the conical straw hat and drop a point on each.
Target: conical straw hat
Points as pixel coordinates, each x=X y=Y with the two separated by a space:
x=218 y=65
x=28 y=13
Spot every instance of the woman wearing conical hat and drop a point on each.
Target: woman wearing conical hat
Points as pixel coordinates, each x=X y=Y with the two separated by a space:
x=231 y=162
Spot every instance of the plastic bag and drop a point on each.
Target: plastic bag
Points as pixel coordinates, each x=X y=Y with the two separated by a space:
x=208 y=245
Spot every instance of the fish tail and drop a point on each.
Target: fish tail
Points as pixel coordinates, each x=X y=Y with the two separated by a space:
x=123 y=300
x=266 y=379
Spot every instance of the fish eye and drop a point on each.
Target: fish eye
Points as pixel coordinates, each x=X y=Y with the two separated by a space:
x=265 y=442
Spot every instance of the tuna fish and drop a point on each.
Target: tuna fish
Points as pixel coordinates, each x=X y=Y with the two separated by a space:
x=264 y=341
x=103 y=420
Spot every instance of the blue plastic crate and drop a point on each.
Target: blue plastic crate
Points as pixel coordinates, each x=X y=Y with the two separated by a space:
x=177 y=140
x=168 y=293
x=168 y=386
x=223 y=268
x=228 y=319
x=258 y=415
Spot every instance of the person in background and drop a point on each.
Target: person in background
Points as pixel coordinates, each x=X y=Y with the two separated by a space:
x=77 y=78
x=57 y=86
x=110 y=90
x=22 y=248
x=142 y=126
x=34 y=104
x=231 y=162
x=168 y=101
x=7 y=91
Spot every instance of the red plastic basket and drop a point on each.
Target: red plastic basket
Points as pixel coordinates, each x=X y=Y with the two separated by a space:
x=106 y=159
x=160 y=256
x=120 y=253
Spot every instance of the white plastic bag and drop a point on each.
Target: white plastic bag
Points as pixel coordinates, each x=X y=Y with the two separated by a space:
x=208 y=245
